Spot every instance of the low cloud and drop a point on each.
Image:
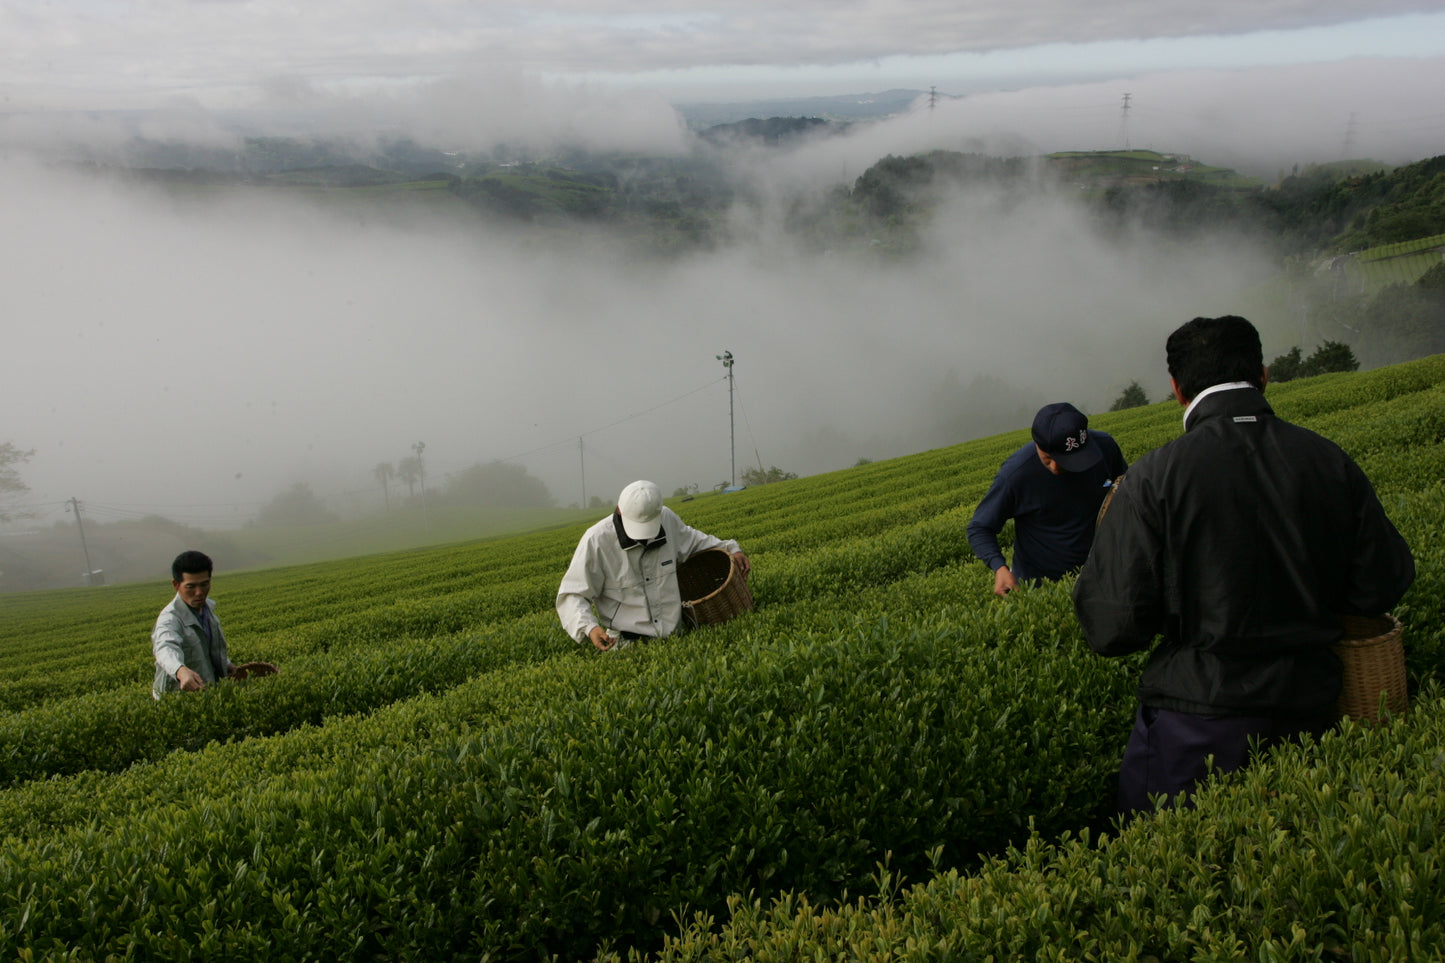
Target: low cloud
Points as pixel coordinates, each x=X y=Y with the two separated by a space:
x=193 y=359
x=194 y=356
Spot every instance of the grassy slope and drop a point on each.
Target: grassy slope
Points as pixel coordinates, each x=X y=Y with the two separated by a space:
x=874 y=552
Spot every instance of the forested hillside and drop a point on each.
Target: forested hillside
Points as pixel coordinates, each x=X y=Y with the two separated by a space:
x=1322 y=209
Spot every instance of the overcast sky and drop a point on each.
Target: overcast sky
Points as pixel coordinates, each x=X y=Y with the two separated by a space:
x=193 y=361
x=92 y=54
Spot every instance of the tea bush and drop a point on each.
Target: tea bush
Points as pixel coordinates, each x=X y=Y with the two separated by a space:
x=1322 y=852
x=439 y=773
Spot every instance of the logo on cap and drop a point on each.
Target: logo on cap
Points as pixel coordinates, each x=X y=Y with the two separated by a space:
x=1062 y=431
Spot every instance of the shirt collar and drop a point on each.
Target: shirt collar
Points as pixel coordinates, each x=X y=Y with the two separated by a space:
x=627 y=541
x=1212 y=389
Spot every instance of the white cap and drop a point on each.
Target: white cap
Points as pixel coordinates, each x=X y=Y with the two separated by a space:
x=640 y=506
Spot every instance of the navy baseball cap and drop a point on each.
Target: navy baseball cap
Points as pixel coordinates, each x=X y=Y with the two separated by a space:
x=1062 y=431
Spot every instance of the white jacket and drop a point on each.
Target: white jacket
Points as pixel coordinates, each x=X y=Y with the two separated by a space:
x=631 y=589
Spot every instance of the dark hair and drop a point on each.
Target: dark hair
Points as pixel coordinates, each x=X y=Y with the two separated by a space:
x=1214 y=351
x=190 y=563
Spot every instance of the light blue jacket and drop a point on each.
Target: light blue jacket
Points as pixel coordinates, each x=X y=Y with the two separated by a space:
x=179 y=639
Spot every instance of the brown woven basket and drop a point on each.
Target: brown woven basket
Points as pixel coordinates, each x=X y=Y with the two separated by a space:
x=1374 y=660
x=713 y=590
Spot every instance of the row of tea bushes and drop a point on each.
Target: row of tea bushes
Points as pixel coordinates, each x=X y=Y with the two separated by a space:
x=394 y=649
x=1420 y=517
x=95 y=673
x=1309 y=398
x=1317 y=853
x=390 y=648
x=91 y=646
x=273 y=706
x=617 y=793
x=112 y=730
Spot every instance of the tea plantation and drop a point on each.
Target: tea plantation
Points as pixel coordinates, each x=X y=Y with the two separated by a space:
x=881 y=761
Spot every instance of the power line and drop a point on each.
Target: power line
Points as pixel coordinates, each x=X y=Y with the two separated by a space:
x=623 y=420
x=749 y=426
x=216 y=512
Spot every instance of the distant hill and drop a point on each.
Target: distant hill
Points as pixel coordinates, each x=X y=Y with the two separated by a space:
x=272 y=155
x=1112 y=168
x=772 y=130
x=844 y=107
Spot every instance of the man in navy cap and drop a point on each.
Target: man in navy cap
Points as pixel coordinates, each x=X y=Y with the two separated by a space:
x=1052 y=489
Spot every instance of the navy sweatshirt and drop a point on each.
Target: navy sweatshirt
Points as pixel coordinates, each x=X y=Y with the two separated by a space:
x=1053 y=514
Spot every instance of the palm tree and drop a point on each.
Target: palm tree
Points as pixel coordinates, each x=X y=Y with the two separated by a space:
x=384 y=473
x=409 y=471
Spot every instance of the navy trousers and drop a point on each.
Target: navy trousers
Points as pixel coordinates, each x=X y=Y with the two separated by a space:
x=1169 y=752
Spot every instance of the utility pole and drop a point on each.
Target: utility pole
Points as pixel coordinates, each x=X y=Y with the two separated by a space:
x=1124 y=121
x=582 y=460
x=420 y=447
x=727 y=359
x=75 y=507
x=1349 y=148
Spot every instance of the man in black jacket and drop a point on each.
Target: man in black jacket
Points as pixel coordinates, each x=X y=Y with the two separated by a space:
x=1240 y=542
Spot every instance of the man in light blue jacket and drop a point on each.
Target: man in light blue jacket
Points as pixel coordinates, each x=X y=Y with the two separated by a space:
x=188 y=643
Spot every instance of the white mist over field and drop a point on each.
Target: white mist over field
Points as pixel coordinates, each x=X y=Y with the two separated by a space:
x=193 y=358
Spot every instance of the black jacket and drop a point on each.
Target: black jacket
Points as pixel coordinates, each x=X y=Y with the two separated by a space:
x=1239 y=543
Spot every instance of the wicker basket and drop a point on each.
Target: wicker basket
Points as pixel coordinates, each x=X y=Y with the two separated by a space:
x=251 y=670
x=1374 y=660
x=1113 y=487
x=713 y=590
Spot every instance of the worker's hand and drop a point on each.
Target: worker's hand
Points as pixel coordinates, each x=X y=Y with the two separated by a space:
x=1004 y=581
x=189 y=679
x=741 y=563
x=601 y=639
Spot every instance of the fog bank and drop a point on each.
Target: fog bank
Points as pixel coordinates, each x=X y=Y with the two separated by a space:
x=193 y=359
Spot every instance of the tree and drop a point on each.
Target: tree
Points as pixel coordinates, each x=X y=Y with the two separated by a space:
x=756 y=476
x=409 y=470
x=384 y=472
x=1330 y=356
x=1327 y=357
x=497 y=484
x=1133 y=397
x=11 y=484
x=297 y=505
x=1286 y=367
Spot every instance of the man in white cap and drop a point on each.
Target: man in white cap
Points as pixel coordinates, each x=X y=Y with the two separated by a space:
x=622 y=583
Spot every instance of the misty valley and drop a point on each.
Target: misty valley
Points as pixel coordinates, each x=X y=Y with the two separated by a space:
x=345 y=297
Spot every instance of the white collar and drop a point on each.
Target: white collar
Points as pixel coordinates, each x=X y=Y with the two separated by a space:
x=1229 y=386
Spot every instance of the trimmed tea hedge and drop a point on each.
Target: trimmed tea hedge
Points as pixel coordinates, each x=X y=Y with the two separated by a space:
x=1316 y=853
x=439 y=773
